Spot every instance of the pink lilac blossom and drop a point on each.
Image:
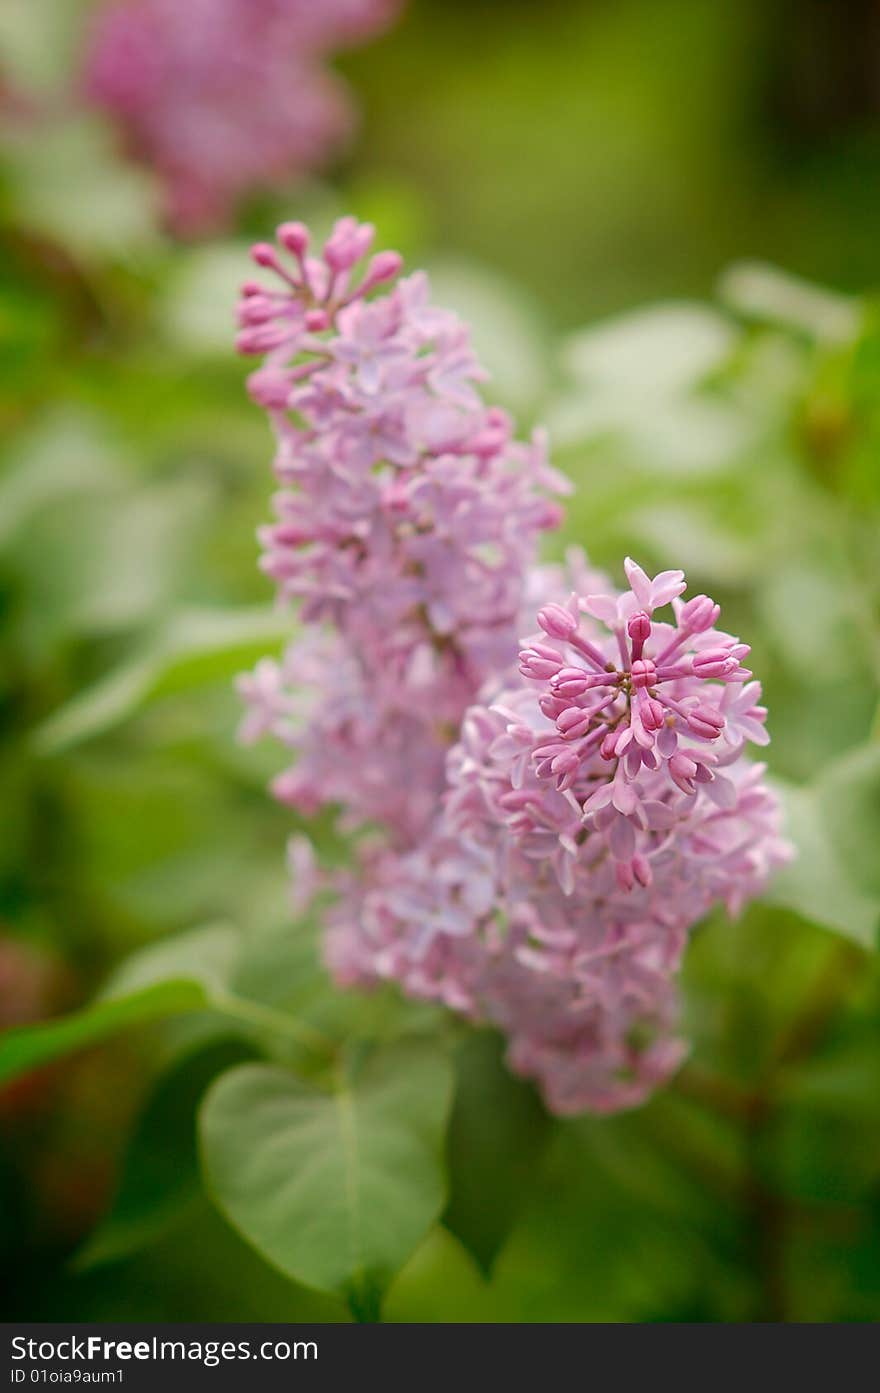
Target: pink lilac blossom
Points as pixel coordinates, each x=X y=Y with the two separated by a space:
x=581 y=840
x=224 y=96
x=407 y=521
x=548 y=835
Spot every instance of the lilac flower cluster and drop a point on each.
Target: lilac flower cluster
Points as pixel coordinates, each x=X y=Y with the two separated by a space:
x=583 y=834
x=552 y=832
x=222 y=96
x=406 y=524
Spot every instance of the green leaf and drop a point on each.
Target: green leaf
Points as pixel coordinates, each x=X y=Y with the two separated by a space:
x=492 y=1168
x=505 y=326
x=206 y=956
x=335 y=1189
x=283 y=968
x=216 y=956
x=174 y=976
x=800 y=607
x=160 y=1174
x=189 y=972
x=29 y=1047
x=639 y=388
x=39 y=43
x=199 y=295
x=194 y=648
x=817 y=884
x=67 y=175
x=664 y=349
x=758 y=291
x=68 y=454
x=848 y=797
x=119 y=556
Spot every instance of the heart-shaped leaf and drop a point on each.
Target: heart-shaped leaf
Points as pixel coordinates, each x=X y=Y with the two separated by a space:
x=818 y=883
x=335 y=1188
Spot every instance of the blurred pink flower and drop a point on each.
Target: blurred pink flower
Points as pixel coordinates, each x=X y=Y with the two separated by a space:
x=224 y=96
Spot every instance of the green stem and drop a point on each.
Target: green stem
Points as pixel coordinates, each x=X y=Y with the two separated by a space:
x=365 y=1303
x=277 y=1022
x=720 y=1095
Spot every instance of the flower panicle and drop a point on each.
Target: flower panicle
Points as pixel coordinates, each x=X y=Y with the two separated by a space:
x=406 y=524
x=564 y=876
x=552 y=827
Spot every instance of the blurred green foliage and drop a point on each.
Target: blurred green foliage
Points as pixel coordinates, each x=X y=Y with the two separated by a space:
x=552 y=174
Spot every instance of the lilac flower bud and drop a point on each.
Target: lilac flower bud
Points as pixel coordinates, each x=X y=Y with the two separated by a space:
x=683 y=772
x=260 y=339
x=571 y=682
x=642 y=872
x=653 y=714
x=565 y=762
x=270 y=388
x=264 y=254
x=255 y=309
x=348 y=242
x=715 y=662
x=698 y=614
x=706 y=721
x=383 y=267
x=539 y=662
x=573 y=722
x=644 y=673
x=625 y=874
x=639 y=626
x=607 y=749
x=295 y=237
x=551 y=706
x=557 y=621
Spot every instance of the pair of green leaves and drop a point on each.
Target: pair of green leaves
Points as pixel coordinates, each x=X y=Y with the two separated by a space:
x=334 y=1182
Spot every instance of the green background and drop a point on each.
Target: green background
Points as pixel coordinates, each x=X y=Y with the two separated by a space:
x=607 y=191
